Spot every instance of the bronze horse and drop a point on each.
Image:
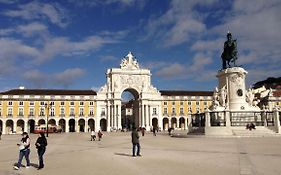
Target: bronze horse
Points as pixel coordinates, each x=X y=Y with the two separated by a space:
x=229 y=52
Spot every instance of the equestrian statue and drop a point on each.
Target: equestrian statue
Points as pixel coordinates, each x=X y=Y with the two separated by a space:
x=229 y=54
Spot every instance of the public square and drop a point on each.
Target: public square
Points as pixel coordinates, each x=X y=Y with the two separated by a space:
x=74 y=153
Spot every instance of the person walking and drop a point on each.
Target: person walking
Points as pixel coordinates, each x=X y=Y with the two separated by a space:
x=24 y=147
x=41 y=144
x=135 y=142
x=93 y=135
x=100 y=135
x=154 y=131
x=0 y=134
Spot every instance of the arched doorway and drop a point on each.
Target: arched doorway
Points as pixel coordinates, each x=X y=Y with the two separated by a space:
x=52 y=122
x=71 y=124
x=81 y=123
x=31 y=125
x=20 y=126
x=91 y=124
x=165 y=123
x=9 y=126
x=103 y=124
x=41 y=122
x=155 y=123
x=182 y=123
x=62 y=125
x=174 y=122
x=130 y=109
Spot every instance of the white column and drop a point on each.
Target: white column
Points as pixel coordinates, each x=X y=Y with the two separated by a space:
x=276 y=120
x=4 y=126
x=66 y=125
x=119 y=116
x=146 y=116
x=86 y=125
x=142 y=116
x=227 y=119
x=189 y=122
x=26 y=126
x=77 y=126
x=108 y=117
x=97 y=123
x=15 y=126
x=178 y=122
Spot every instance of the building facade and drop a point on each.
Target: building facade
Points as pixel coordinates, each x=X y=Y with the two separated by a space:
x=85 y=110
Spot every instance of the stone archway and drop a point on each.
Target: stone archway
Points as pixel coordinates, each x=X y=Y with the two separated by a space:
x=52 y=122
x=81 y=124
x=20 y=126
x=31 y=125
x=41 y=122
x=62 y=125
x=155 y=123
x=103 y=124
x=71 y=124
x=174 y=122
x=165 y=124
x=91 y=124
x=9 y=126
x=182 y=123
x=130 y=109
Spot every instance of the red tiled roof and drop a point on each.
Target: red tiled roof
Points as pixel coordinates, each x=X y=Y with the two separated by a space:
x=186 y=93
x=277 y=93
x=48 y=92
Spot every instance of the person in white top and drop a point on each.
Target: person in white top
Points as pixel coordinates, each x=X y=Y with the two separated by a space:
x=24 y=147
x=93 y=135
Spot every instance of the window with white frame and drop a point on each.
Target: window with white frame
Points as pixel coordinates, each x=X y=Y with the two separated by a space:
x=189 y=110
x=173 y=111
x=31 y=103
x=103 y=111
x=173 y=103
x=91 y=111
x=198 y=110
x=62 y=103
x=181 y=103
x=91 y=103
x=21 y=103
x=81 y=111
x=62 y=111
x=189 y=103
x=72 y=103
x=197 y=103
x=20 y=111
x=81 y=103
x=181 y=110
x=42 y=111
x=10 y=111
x=31 y=111
x=165 y=103
x=52 y=112
x=71 y=111
x=52 y=103
x=154 y=111
x=165 y=110
x=10 y=103
x=42 y=103
x=205 y=103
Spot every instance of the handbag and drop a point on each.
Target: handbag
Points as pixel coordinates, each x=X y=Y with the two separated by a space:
x=21 y=147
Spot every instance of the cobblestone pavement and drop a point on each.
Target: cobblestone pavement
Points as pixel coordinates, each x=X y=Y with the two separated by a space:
x=75 y=154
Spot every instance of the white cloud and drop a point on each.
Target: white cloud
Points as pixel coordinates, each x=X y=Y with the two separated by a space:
x=139 y=4
x=181 y=23
x=26 y=30
x=105 y=58
x=40 y=11
x=197 y=70
x=62 y=79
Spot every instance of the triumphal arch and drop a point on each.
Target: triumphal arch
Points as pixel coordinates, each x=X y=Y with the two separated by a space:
x=128 y=77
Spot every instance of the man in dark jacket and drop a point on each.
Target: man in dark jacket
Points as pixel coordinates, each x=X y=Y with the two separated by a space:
x=41 y=144
x=135 y=142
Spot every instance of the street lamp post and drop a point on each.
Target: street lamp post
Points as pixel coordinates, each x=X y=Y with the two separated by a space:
x=47 y=107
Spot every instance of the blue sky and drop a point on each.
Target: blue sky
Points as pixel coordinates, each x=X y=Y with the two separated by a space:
x=70 y=44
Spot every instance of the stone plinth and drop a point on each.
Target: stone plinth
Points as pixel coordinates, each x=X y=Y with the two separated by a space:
x=233 y=80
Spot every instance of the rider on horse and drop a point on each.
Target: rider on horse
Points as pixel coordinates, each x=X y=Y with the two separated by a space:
x=229 y=52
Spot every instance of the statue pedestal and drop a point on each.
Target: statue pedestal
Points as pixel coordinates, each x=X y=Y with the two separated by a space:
x=233 y=80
